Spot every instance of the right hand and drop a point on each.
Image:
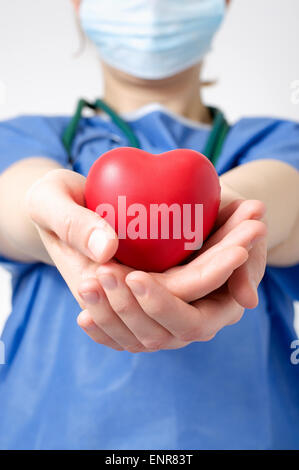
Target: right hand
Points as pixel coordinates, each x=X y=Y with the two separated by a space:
x=187 y=303
x=77 y=239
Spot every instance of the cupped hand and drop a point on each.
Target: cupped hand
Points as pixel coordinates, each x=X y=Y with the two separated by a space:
x=137 y=311
x=76 y=239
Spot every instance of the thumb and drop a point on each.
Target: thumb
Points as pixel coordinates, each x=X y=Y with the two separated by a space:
x=54 y=210
x=87 y=232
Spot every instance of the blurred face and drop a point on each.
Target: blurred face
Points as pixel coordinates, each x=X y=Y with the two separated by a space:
x=76 y=3
x=131 y=37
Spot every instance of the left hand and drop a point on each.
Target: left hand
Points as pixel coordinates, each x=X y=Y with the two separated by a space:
x=137 y=311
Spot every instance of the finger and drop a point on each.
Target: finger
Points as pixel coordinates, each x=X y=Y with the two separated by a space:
x=147 y=331
x=218 y=310
x=244 y=281
x=244 y=235
x=241 y=237
x=197 y=322
x=53 y=206
x=97 y=304
x=226 y=212
x=239 y=210
x=176 y=316
x=247 y=214
x=241 y=288
x=87 y=324
x=194 y=281
x=72 y=265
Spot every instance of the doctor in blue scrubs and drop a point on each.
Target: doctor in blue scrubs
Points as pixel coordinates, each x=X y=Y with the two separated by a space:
x=101 y=356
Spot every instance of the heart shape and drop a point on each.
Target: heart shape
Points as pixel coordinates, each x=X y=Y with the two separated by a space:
x=161 y=206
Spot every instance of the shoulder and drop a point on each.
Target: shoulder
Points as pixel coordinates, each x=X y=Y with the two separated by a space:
x=256 y=138
x=34 y=124
x=261 y=127
x=32 y=135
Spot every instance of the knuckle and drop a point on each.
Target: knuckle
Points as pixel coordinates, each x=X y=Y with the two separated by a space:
x=100 y=341
x=237 y=317
x=194 y=334
x=68 y=229
x=122 y=309
x=112 y=345
x=152 y=345
x=156 y=343
x=136 y=348
x=208 y=338
x=108 y=344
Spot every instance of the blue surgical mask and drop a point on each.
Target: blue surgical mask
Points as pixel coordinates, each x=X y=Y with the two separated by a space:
x=152 y=39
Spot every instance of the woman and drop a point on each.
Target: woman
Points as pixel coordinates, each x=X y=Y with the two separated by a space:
x=193 y=384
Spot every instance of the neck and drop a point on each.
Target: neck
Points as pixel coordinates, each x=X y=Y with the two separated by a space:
x=180 y=93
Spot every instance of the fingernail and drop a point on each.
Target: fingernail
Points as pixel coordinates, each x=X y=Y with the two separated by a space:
x=136 y=287
x=90 y=297
x=108 y=281
x=98 y=242
x=108 y=230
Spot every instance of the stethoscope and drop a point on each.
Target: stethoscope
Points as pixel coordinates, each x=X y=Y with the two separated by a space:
x=212 y=148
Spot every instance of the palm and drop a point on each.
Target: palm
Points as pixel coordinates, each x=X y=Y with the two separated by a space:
x=217 y=264
x=204 y=295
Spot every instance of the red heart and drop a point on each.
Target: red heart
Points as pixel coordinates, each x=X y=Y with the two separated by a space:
x=182 y=177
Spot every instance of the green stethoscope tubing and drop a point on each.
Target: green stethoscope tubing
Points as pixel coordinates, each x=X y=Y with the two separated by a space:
x=212 y=149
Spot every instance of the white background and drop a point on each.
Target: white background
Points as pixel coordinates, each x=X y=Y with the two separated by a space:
x=255 y=60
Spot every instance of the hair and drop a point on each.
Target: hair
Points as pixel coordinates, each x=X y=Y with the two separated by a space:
x=82 y=38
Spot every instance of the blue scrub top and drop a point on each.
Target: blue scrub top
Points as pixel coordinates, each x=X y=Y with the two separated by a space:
x=60 y=390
